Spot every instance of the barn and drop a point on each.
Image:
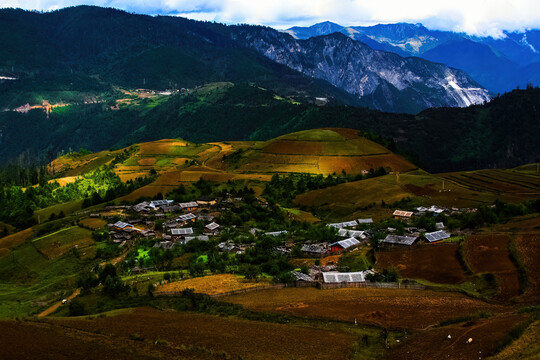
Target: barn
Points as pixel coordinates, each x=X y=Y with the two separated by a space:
x=339 y=246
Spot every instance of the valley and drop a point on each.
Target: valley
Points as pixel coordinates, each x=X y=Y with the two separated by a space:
x=250 y=272
x=219 y=189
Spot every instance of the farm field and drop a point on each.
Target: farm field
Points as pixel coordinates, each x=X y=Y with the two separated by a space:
x=60 y=242
x=437 y=263
x=214 y=335
x=93 y=223
x=401 y=308
x=489 y=254
x=486 y=335
x=211 y=285
x=14 y=240
x=509 y=185
x=528 y=248
x=28 y=278
x=526 y=347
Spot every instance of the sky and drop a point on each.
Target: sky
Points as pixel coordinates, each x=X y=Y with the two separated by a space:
x=476 y=17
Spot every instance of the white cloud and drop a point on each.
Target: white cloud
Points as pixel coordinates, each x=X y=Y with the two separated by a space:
x=480 y=17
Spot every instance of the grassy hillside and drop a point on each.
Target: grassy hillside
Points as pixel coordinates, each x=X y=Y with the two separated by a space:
x=465 y=189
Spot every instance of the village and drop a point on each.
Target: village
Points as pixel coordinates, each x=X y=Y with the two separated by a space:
x=169 y=225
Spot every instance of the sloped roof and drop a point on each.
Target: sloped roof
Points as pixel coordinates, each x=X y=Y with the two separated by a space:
x=212 y=226
x=350 y=277
x=436 y=236
x=186 y=217
x=403 y=213
x=347 y=243
x=350 y=233
x=189 y=204
x=365 y=221
x=276 y=233
x=184 y=231
x=313 y=248
x=401 y=240
x=344 y=224
x=155 y=203
x=122 y=225
x=200 y=237
x=301 y=276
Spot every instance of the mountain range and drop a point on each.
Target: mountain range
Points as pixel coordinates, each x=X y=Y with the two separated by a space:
x=499 y=64
x=90 y=49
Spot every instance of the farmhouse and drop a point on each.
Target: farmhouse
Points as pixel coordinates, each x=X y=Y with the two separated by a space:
x=337 y=277
x=206 y=217
x=365 y=221
x=206 y=200
x=189 y=206
x=345 y=224
x=436 y=236
x=120 y=225
x=181 y=232
x=343 y=245
x=400 y=240
x=301 y=276
x=165 y=245
x=184 y=219
x=400 y=214
x=229 y=247
x=199 y=237
x=212 y=226
x=352 y=233
x=276 y=233
x=313 y=249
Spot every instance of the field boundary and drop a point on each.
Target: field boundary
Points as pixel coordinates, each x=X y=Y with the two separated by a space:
x=320 y=286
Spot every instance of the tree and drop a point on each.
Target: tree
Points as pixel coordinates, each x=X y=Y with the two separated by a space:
x=108 y=270
x=113 y=286
x=76 y=308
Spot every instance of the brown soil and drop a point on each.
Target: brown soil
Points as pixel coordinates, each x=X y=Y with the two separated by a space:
x=489 y=253
x=402 y=308
x=435 y=344
x=434 y=262
x=248 y=339
x=528 y=247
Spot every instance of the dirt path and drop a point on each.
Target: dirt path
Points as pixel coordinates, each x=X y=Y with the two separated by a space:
x=58 y=304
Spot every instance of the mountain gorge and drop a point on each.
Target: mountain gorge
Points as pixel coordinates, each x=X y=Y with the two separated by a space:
x=96 y=48
x=499 y=64
x=389 y=81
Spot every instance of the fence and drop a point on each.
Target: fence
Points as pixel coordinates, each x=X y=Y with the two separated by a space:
x=318 y=285
x=380 y=285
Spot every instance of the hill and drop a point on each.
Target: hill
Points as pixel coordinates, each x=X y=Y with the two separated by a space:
x=112 y=47
x=462 y=189
x=502 y=133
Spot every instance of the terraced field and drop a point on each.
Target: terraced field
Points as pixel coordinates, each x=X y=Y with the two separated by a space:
x=528 y=248
x=437 y=263
x=322 y=151
x=401 y=308
x=133 y=334
x=489 y=254
x=510 y=185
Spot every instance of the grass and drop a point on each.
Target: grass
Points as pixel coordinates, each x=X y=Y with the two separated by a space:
x=461 y=319
x=143 y=254
x=211 y=285
x=356 y=260
x=521 y=270
x=67 y=208
x=28 y=278
x=62 y=241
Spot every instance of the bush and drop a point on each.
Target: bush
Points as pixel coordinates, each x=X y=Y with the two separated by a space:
x=76 y=308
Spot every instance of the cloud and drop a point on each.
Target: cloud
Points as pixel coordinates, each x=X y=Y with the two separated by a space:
x=478 y=17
